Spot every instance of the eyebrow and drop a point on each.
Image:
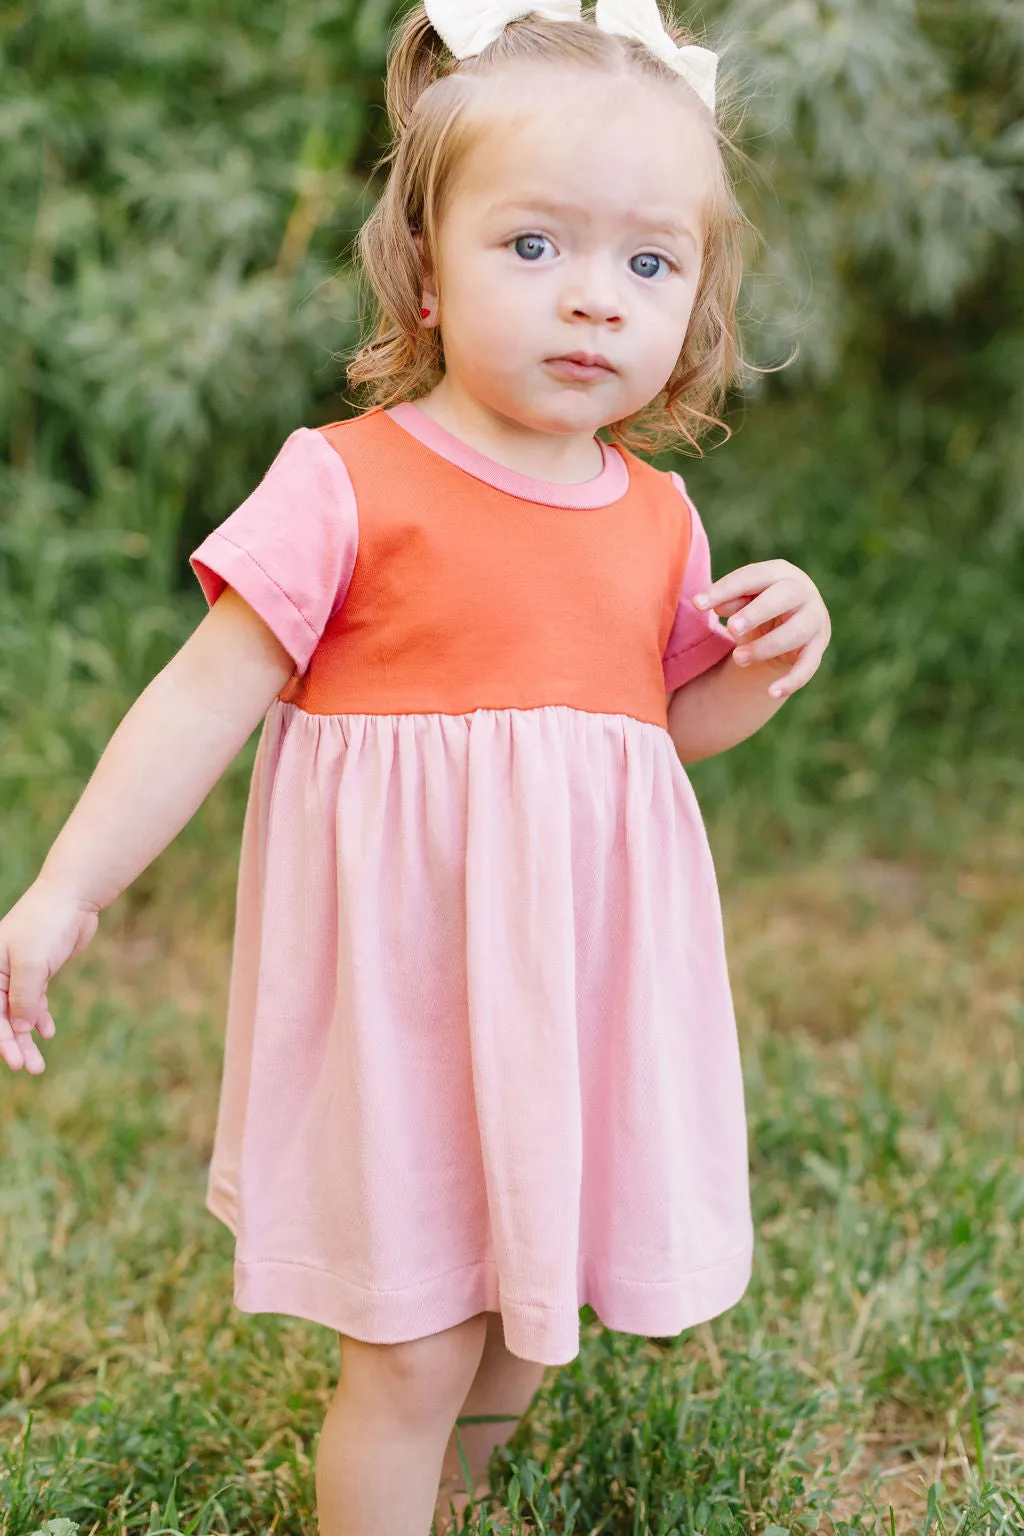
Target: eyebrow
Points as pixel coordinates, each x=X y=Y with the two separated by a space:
x=653 y=223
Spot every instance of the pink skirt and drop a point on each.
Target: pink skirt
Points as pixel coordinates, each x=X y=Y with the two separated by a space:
x=481 y=1052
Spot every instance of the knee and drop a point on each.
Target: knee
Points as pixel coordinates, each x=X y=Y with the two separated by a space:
x=417 y=1382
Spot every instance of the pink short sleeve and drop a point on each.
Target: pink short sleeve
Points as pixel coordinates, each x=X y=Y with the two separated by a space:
x=698 y=640
x=290 y=548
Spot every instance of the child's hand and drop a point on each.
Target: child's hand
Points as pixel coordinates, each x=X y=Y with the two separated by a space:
x=777 y=607
x=40 y=932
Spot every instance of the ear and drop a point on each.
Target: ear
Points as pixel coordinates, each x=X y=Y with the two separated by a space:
x=431 y=298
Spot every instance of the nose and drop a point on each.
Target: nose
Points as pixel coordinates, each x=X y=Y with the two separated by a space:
x=592 y=293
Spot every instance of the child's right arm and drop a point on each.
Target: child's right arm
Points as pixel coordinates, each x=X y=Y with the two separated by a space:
x=158 y=767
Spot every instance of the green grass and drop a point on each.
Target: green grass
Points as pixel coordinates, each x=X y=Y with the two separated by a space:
x=871 y=1379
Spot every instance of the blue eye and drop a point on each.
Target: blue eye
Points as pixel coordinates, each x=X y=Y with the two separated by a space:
x=534 y=240
x=648 y=256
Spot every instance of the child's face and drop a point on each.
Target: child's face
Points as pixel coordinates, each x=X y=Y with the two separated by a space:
x=593 y=170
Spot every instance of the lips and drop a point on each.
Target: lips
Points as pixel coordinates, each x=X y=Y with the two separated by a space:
x=585 y=359
x=581 y=368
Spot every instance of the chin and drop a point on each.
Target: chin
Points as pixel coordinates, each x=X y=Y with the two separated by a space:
x=568 y=416
x=559 y=427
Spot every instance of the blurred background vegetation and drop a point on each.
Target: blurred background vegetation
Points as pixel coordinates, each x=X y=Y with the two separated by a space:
x=182 y=182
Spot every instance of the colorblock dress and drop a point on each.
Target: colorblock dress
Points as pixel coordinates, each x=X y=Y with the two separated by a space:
x=481 y=1052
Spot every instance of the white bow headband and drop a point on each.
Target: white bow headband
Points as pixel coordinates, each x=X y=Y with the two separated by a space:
x=467 y=26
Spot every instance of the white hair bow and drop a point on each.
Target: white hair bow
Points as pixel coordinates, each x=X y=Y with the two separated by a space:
x=641 y=19
x=467 y=26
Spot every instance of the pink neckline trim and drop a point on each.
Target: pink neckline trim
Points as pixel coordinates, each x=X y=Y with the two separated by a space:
x=609 y=485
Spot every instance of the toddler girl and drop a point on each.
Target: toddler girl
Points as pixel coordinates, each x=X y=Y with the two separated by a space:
x=481 y=1063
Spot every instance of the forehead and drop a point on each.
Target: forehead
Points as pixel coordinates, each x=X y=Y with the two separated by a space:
x=604 y=148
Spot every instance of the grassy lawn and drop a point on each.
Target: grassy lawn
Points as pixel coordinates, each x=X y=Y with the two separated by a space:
x=871 y=1379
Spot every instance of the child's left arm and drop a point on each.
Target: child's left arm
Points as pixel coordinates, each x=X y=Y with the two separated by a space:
x=785 y=628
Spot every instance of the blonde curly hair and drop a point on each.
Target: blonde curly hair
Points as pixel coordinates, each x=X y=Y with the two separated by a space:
x=427 y=94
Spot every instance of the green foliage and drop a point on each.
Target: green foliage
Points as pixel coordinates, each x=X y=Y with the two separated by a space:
x=886 y=169
x=176 y=191
x=181 y=189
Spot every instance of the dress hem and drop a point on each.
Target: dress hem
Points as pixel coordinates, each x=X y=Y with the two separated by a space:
x=540 y=1333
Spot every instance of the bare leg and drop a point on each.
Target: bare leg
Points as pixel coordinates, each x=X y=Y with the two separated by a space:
x=503 y=1384
x=382 y=1442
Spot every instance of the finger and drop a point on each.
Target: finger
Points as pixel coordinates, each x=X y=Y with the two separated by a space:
x=27 y=990
x=28 y=1050
x=45 y=1025
x=781 y=597
x=801 y=672
x=745 y=581
x=11 y=1051
x=17 y=1048
x=9 y=1048
x=32 y=1056
x=733 y=606
x=791 y=636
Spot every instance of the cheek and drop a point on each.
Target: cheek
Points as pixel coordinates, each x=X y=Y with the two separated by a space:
x=511 y=289
x=502 y=305
x=667 y=320
x=487 y=327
